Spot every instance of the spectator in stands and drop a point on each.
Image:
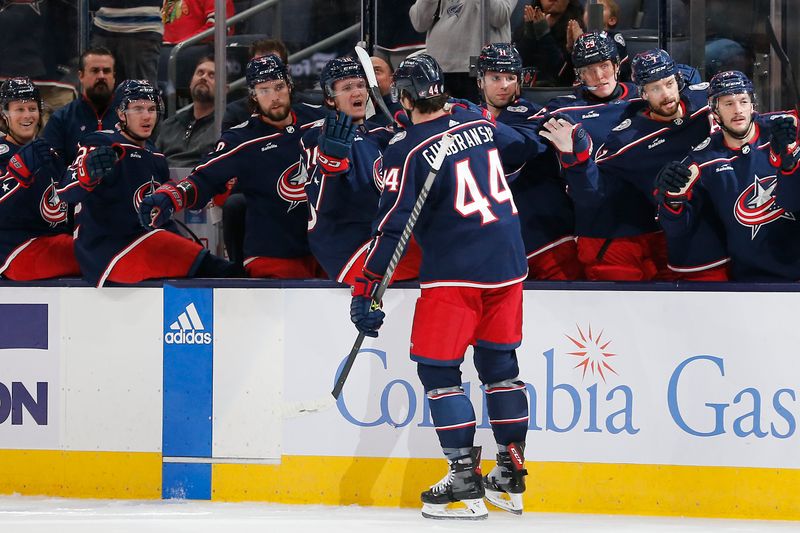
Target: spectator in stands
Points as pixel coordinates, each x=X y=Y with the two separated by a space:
x=395 y=37
x=31 y=49
x=610 y=17
x=239 y=111
x=92 y=111
x=542 y=40
x=186 y=137
x=454 y=34
x=186 y=18
x=132 y=30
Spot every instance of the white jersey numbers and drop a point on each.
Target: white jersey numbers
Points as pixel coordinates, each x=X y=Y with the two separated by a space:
x=391 y=180
x=470 y=200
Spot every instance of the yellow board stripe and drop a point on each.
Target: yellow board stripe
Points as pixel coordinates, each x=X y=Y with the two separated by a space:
x=81 y=474
x=754 y=493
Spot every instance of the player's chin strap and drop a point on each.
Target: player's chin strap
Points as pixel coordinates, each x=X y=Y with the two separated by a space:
x=16 y=139
x=123 y=125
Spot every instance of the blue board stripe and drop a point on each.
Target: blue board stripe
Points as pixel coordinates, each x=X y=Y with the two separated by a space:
x=188 y=388
x=186 y=481
x=23 y=326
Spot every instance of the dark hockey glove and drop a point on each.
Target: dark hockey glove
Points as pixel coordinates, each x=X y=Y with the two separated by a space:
x=784 y=151
x=156 y=209
x=335 y=140
x=472 y=107
x=368 y=319
x=402 y=119
x=97 y=165
x=673 y=184
x=571 y=141
x=29 y=161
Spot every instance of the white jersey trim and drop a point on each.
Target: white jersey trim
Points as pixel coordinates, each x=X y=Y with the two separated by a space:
x=473 y=284
x=362 y=250
x=13 y=255
x=123 y=253
x=701 y=267
x=552 y=245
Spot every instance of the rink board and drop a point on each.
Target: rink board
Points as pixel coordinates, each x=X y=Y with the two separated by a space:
x=644 y=401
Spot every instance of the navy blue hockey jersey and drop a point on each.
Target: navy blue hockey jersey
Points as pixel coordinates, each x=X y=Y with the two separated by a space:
x=740 y=188
x=342 y=206
x=30 y=212
x=107 y=218
x=546 y=213
x=264 y=161
x=598 y=118
x=468 y=229
x=618 y=182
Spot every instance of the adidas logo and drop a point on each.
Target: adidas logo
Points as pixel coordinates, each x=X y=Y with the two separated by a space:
x=188 y=329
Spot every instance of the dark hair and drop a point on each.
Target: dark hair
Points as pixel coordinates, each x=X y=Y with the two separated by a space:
x=208 y=58
x=94 y=51
x=262 y=46
x=431 y=105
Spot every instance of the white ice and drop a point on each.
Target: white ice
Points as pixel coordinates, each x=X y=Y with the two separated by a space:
x=27 y=514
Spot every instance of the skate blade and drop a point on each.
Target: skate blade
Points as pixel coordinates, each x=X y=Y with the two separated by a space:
x=505 y=501
x=473 y=510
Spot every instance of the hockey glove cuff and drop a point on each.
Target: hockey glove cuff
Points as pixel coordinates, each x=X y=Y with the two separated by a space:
x=20 y=171
x=368 y=318
x=581 y=148
x=784 y=152
x=96 y=165
x=402 y=119
x=673 y=184
x=157 y=208
x=472 y=107
x=29 y=161
x=337 y=136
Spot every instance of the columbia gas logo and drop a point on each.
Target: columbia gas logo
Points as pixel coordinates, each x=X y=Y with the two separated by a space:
x=188 y=329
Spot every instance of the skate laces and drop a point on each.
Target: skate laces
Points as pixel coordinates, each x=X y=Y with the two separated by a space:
x=446 y=481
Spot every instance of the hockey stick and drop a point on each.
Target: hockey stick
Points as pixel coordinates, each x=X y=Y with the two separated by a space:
x=444 y=146
x=372 y=81
x=785 y=62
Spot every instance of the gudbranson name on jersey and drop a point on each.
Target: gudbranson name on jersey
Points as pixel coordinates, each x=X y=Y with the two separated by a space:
x=474 y=136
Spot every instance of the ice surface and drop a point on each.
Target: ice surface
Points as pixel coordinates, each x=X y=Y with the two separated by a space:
x=26 y=514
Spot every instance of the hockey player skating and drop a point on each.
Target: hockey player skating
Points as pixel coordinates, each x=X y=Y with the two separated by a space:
x=473 y=263
x=35 y=232
x=341 y=168
x=263 y=154
x=745 y=175
x=108 y=180
x=545 y=211
x=617 y=183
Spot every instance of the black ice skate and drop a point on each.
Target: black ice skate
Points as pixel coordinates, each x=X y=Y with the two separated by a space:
x=506 y=482
x=462 y=484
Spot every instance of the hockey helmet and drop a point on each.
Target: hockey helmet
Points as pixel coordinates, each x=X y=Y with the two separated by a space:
x=594 y=47
x=653 y=65
x=499 y=57
x=420 y=77
x=19 y=89
x=728 y=82
x=132 y=90
x=266 y=68
x=339 y=68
